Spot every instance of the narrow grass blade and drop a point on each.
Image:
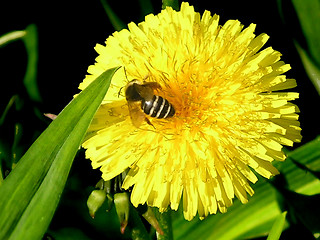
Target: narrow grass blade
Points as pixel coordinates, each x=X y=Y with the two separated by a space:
x=277 y=227
x=312 y=70
x=146 y=7
x=308 y=14
x=30 y=78
x=113 y=17
x=10 y=37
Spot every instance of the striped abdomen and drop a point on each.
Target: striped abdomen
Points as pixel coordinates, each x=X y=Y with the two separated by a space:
x=158 y=107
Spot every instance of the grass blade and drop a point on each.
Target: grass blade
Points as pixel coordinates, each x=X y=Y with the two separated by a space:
x=113 y=17
x=30 y=78
x=10 y=37
x=312 y=70
x=277 y=227
x=308 y=14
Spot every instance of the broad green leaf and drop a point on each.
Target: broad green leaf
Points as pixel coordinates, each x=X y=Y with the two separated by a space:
x=30 y=40
x=257 y=216
x=31 y=192
x=309 y=16
x=301 y=192
x=298 y=179
x=277 y=227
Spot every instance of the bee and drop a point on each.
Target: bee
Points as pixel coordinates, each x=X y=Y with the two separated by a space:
x=142 y=101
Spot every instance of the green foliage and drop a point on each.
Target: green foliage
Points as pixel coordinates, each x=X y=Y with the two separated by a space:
x=30 y=40
x=277 y=227
x=309 y=15
x=11 y=36
x=308 y=47
x=312 y=70
x=30 y=194
x=113 y=17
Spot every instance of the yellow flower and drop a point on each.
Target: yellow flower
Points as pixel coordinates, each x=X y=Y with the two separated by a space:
x=230 y=120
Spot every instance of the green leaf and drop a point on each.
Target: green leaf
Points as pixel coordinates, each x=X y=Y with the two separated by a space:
x=30 y=78
x=171 y=3
x=298 y=179
x=31 y=192
x=303 y=208
x=309 y=15
x=146 y=7
x=11 y=36
x=312 y=70
x=113 y=17
x=256 y=218
x=277 y=227
x=302 y=185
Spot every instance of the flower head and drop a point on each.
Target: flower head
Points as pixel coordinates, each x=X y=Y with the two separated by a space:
x=230 y=120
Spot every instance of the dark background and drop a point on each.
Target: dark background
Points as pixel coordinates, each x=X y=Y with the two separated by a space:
x=68 y=32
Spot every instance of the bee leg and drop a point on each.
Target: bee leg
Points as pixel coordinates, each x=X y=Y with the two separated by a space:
x=119 y=93
x=148 y=121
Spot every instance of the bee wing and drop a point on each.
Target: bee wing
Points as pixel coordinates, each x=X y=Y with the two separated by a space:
x=146 y=90
x=136 y=114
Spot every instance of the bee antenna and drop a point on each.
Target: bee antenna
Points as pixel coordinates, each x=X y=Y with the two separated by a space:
x=120 y=91
x=125 y=72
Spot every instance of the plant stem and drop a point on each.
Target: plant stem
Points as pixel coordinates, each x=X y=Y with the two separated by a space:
x=165 y=223
x=138 y=230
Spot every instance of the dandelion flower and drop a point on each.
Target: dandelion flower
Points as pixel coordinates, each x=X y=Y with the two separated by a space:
x=230 y=118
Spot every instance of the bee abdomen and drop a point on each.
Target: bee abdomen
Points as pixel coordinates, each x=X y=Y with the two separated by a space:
x=158 y=107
